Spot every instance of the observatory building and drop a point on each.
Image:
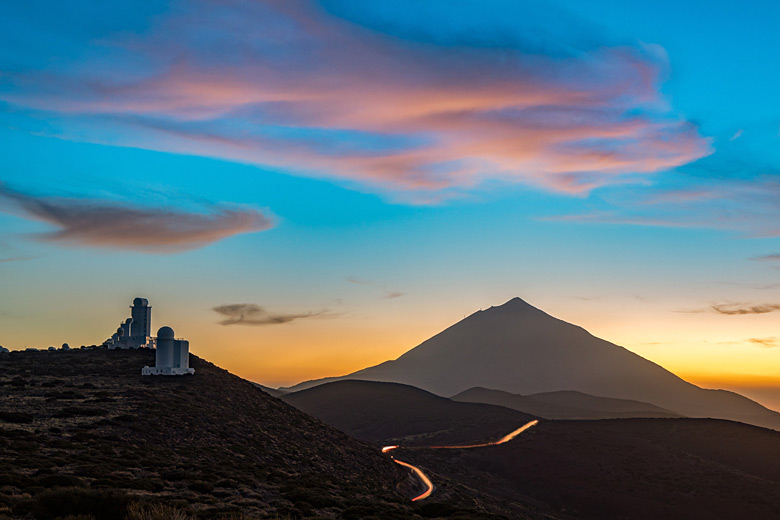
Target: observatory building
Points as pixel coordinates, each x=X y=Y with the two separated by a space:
x=135 y=331
x=173 y=356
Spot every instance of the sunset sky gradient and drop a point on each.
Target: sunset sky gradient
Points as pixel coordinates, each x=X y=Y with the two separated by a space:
x=303 y=189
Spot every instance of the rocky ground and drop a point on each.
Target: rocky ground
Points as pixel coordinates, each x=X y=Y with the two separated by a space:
x=83 y=433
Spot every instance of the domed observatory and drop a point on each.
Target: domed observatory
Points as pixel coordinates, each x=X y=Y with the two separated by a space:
x=172 y=356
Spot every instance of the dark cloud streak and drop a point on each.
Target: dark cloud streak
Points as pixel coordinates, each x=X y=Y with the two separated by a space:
x=388 y=294
x=738 y=309
x=17 y=259
x=252 y=314
x=765 y=342
x=767 y=258
x=108 y=224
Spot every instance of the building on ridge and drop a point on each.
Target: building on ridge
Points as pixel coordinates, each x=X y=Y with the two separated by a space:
x=135 y=331
x=172 y=356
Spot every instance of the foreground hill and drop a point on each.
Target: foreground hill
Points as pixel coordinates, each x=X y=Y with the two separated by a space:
x=394 y=413
x=564 y=404
x=81 y=432
x=676 y=468
x=519 y=349
x=642 y=469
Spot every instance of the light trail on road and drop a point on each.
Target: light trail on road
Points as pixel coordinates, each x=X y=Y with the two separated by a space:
x=424 y=478
x=502 y=440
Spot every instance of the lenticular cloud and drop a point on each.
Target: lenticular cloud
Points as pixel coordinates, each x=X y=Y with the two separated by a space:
x=291 y=86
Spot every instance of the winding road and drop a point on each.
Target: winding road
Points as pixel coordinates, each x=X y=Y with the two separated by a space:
x=424 y=478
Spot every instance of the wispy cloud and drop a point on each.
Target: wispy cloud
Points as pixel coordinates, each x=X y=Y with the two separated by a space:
x=17 y=259
x=725 y=201
x=739 y=308
x=736 y=135
x=767 y=258
x=765 y=342
x=302 y=88
x=252 y=314
x=108 y=224
x=388 y=294
x=754 y=286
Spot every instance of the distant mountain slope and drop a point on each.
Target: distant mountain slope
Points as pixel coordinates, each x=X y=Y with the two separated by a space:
x=272 y=391
x=519 y=349
x=83 y=425
x=391 y=412
x=564 y=404
x=642 y=469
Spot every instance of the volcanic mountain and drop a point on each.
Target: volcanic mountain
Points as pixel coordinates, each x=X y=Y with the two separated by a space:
x=520 y=349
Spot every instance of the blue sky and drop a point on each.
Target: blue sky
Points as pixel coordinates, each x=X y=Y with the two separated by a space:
x=389 y=168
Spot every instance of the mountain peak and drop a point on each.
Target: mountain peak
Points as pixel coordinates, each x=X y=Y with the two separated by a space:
x=520 y=349
x=516 y=304
x=517 y=301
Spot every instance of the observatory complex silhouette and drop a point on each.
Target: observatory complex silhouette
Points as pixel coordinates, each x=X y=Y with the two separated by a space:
x=135 y=331
x=172 y=354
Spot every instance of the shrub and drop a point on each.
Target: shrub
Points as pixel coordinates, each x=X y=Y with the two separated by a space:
x=173 y=475
x=138 y=511
x=201 y=486
x=309 y=496
x=16 y=417
x=101 y=504
x=63 y=394
x=15 y=479
x=60 y=481
x=80 y=411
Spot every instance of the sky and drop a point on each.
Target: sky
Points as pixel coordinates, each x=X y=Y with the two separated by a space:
x=303 y=189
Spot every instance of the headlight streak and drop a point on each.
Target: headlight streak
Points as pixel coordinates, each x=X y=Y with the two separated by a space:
x=424 y=478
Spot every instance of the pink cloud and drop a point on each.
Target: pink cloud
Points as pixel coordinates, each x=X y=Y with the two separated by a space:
x=567 y=123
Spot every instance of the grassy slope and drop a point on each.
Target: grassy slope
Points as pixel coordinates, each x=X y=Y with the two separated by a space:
x=212 y=442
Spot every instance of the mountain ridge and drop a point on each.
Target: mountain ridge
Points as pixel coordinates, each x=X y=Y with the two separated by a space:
x=520 y=349
x=564 y=404
x=395 y=413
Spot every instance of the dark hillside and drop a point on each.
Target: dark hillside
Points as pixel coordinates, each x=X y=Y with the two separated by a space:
x=642 y=469
x=394 y=413
x=564 y=404
x=84 y=425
